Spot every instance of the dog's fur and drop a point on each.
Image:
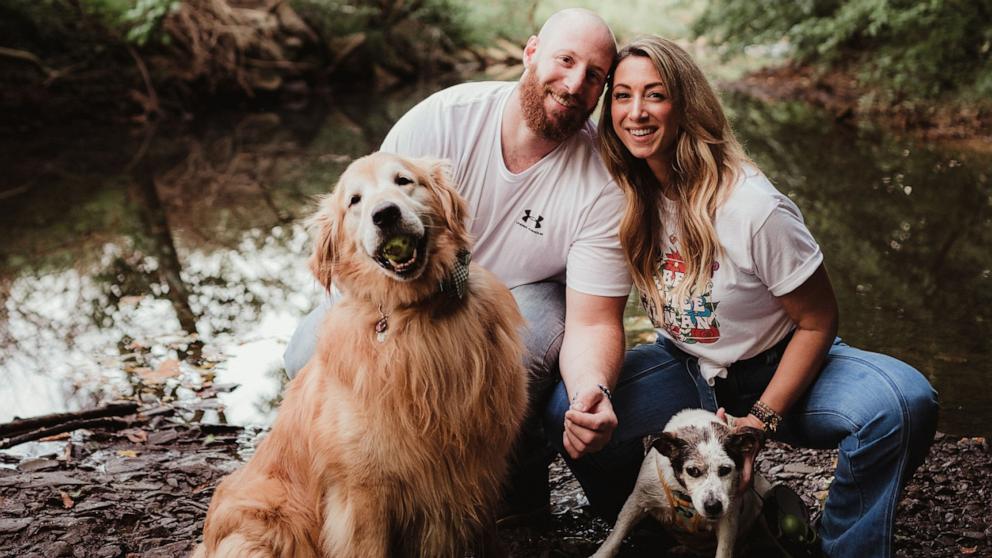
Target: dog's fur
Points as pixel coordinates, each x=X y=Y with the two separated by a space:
x=700 y=456
x=394 y=447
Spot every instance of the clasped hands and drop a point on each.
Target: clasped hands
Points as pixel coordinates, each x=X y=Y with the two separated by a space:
x=590 y=422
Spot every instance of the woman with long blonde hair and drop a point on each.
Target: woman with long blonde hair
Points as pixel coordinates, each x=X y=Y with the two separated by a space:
x=746 y=316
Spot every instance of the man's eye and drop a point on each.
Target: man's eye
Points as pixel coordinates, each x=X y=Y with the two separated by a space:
x=355 y=198
x=724 y=470
x=402 y=180
x=693 y=472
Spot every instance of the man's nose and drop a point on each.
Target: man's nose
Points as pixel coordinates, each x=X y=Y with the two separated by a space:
x=575 y=80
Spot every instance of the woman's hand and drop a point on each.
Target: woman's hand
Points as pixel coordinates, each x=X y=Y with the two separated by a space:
x=737 y=423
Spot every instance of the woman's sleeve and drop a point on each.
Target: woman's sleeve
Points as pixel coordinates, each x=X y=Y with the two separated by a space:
x=784 y=252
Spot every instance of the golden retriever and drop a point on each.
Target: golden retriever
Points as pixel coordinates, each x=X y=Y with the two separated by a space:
x=394 y=439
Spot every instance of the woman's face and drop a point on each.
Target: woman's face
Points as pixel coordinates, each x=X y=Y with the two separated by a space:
x=642 y=112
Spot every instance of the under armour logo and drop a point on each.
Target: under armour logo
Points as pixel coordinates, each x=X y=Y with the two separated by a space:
x=537 y=220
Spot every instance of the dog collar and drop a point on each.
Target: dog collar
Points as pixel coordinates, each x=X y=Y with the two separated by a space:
x=684 y=515
x=457 y=282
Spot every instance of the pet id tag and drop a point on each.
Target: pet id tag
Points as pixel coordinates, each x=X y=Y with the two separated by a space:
x=380 y=330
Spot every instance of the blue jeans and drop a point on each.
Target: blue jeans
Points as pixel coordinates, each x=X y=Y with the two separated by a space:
x=879 y=412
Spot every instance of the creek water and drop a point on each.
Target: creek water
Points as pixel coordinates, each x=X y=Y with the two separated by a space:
x=170 y=263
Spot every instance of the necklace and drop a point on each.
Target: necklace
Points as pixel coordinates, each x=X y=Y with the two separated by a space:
x=381 y=326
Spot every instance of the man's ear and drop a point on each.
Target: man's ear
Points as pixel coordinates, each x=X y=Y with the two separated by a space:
x=323 y=227
x=530 y=48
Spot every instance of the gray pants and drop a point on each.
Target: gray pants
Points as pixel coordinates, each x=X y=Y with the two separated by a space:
x=543 y=308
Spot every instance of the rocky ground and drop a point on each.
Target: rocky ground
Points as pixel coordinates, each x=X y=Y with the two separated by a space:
x=144 y=491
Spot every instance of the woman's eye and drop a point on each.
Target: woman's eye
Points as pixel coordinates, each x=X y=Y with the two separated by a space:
x=355 y=198
x=693 y=472
x=402 y=180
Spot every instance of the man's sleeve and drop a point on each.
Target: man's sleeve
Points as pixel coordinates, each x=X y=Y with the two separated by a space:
x=420 y=132
x=596 y=264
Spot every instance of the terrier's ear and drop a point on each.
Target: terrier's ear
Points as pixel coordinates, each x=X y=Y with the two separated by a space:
x=744 y=443
x=669 y=445
x=323 y=227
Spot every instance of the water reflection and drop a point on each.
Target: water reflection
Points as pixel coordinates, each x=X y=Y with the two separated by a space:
x=170 y=263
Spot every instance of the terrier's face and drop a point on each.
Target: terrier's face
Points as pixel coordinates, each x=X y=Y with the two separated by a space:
x=707 y=459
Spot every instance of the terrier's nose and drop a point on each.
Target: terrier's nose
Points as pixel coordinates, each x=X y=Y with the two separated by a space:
x=386 y=214
x=713 y=507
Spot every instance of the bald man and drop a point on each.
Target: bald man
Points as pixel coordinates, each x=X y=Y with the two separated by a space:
x=545 y=219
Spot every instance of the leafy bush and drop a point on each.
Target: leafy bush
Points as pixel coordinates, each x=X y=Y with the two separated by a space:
x=911 y=48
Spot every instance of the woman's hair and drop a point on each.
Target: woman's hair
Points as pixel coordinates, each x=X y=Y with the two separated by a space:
x=706 y=159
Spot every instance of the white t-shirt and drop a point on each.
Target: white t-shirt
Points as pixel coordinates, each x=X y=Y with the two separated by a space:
x=557 y=220
x=767 y=252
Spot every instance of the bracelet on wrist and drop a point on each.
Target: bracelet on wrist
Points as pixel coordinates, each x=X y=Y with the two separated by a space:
x=768 y=417
x=606 y=391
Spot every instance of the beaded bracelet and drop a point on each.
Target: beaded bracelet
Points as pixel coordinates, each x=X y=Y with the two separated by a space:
x=766 y=415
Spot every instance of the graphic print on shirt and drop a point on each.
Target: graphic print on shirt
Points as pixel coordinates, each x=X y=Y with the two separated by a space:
x=531 y=221
x=693 y=319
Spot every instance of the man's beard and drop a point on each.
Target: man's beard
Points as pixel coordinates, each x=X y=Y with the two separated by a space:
x=559 y=129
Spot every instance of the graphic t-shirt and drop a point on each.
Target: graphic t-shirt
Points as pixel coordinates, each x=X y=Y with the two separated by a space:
x=557 y=220
x=767 y=252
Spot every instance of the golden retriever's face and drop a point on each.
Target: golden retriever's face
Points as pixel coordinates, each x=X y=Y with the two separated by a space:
x=389 y=214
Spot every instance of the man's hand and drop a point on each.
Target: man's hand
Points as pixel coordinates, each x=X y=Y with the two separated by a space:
x=747 y=471
x=589 y=423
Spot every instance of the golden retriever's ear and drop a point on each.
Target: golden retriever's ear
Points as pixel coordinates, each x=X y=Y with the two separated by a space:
x=453 y=207
x=323 y=227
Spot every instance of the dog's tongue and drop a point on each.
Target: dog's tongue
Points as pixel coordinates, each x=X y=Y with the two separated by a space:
x=398 y=248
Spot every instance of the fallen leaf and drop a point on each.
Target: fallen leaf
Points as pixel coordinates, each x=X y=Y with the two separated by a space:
x=67 y=502
x=169 y=368
x=136 y=435
x=127 y=453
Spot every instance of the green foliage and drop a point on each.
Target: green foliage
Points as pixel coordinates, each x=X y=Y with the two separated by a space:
x=338 y=18
x=911 y=48
x=144 y=19
x=406 y=38
x=55 y=21
x=137 y=21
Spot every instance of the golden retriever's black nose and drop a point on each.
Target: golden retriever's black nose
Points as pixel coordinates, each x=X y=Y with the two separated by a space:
x=386 y=214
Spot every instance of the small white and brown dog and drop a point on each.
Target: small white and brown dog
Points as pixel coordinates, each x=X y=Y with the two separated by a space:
x=689 y=482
